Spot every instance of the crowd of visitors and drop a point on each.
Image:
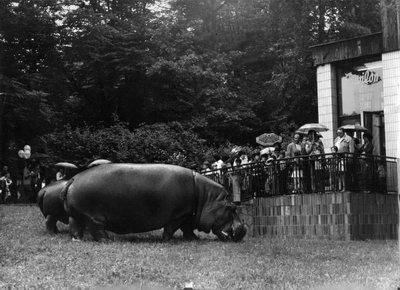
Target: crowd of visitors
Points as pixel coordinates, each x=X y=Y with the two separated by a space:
x=23 y=184
x=303 y=166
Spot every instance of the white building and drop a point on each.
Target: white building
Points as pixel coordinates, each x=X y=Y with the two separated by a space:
x=358 y=82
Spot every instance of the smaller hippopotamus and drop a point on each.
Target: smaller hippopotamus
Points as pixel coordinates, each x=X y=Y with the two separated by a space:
x=52 y=205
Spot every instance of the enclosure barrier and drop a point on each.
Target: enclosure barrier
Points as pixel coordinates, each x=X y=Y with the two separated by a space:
x=332 y=196
x=309 y=174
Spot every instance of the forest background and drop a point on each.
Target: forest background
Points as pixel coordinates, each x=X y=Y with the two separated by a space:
x=161 y=81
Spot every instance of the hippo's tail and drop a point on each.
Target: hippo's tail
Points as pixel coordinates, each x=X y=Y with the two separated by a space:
x=64 y=191
x=40 y=199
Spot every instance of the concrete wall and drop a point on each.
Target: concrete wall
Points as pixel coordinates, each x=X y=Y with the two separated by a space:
x=327 y=103
x=391 y=94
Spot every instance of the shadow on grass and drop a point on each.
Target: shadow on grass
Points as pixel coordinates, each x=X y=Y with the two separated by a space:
x=152 y=237
x=156 y=237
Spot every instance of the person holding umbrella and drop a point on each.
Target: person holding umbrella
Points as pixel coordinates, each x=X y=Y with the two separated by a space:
x=316 y=143
x=65 y=166
x=60 y=175
x=345 y=144
x=367 y=147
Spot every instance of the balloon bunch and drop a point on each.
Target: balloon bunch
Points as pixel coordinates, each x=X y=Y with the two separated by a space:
x=26 y=153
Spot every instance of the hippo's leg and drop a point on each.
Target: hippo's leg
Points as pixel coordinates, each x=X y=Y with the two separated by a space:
x=187 y=230
x=64 y=219
x=51 y=222
x=97 y=229
x=76 y=227
x=171 y=228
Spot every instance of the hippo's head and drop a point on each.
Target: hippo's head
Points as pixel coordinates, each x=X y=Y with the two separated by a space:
x=216 y=213
x=228 y=225
x=222 y=219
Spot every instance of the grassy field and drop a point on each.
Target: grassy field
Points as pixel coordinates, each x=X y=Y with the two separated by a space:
x=31 y=258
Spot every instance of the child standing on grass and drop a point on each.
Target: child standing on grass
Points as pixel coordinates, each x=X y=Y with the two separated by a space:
x=5 y=183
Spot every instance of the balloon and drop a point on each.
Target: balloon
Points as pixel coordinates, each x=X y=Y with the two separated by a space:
x=27 y=154
x=27 y=147
x=21 y=154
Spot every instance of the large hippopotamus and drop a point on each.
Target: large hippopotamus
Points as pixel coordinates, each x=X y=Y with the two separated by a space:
x=52 y=205
x=133 y=198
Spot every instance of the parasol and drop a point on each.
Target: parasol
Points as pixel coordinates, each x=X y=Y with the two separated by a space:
x=354 y=127
x=312 y=126
x=268 y=139
x=236 y=149
x=98 y=162
x=66 y=165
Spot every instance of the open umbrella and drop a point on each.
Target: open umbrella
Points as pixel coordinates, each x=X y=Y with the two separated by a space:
x=312 y=126
x=268 y=139
x=66 y=165
x=99 y=162
x=354 y=127
x=236 y=149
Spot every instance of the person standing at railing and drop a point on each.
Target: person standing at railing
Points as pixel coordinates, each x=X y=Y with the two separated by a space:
x=223 y=176
x=255 y=157
x=367 y=147
x=316 y=162
x=293 y=150
x=345 y=144
x=281 y=173
x=305 y=163
x=335 y=169
x=218 y=162
x=381 y=171
x=294 y=147
x=316 y=143
x=366 y=162
x=357 y=146
x=235 y=183
x=206 y=170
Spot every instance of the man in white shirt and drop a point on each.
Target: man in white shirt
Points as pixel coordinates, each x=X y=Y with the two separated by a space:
x=344 y=142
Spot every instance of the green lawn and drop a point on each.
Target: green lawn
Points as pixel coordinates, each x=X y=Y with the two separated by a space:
x=31 y=258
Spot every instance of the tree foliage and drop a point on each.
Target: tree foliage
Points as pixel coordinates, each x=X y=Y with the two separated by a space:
x=160 y=142
x=218 y=70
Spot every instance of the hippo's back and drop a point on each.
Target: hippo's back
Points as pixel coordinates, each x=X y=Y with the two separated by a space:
x=50 y=200
x=131 y=197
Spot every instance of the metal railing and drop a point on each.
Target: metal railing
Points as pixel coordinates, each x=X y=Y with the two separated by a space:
x=309 y=174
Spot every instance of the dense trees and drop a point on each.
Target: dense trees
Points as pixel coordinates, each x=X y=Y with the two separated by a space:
x=220 y=70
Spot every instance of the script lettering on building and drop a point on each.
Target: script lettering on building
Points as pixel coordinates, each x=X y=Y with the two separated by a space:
x=366 y=77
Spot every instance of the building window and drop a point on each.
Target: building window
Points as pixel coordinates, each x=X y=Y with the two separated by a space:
x=360 y=90
x=360 y=99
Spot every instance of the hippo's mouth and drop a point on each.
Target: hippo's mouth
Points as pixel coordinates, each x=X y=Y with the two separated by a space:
x=224 y=235
x=235 y=235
